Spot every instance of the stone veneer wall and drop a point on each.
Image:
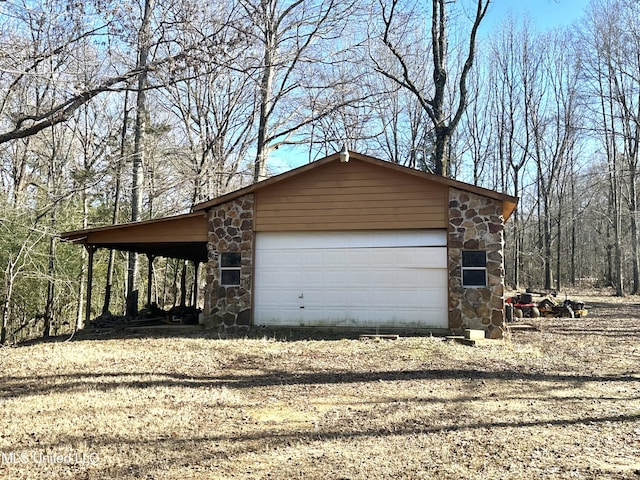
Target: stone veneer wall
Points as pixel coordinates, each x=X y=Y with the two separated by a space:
x=476 y=223
x=230 y=230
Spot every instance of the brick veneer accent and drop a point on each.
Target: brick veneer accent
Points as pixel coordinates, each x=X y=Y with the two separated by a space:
x=230 y=230
x=476 y=223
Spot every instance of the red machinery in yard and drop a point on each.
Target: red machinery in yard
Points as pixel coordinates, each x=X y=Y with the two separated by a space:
x=523 y=306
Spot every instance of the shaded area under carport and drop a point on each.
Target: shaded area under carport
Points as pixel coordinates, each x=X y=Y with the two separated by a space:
x=181 y=236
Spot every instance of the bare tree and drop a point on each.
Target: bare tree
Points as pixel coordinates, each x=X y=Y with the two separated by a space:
x=624 y=61
x=554 y=126
x=444 y=115
x=293 y=39
x=515 y=70
x=609 y=54
x=141 y=121
x=215 y=107
x=477 y=132
x=19 y=243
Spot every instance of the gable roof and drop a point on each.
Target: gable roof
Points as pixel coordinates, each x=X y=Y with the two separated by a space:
x=185 y=236
x=508 y=202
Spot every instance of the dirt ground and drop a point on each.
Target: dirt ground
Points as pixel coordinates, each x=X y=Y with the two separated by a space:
x=562 y=401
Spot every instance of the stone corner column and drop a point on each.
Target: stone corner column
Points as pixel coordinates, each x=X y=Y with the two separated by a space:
x=476 y=223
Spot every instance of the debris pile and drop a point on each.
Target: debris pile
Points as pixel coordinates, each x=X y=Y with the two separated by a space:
x=150 y=315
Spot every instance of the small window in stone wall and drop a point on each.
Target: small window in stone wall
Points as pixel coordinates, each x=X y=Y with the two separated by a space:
x=474 y=268
x=230 y=264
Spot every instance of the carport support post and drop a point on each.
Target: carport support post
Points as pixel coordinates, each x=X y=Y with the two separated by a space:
x=196 y=268
x=87 y=312
x=150 y=258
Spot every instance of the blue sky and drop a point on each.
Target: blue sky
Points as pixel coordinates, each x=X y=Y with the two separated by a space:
x=544 y=14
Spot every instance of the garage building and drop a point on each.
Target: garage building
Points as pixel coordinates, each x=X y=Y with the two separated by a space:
x=352 y=242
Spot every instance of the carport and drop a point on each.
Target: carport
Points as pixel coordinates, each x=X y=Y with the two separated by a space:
x=181 y=236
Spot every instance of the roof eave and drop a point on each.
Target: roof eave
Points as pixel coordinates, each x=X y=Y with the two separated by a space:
x=75 y=235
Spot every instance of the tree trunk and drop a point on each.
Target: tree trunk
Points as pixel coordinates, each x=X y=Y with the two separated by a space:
x=608 y=116
x=441 y=151
x=546 y=246
x=53 y=168
x=80 y=314
x=116 y=203
x=444 y=116
x=51 y=287
x=266 y=87
x=517 y=240
x=183 y=285
x=559 y=247
x=139 y=147
x=633 y=218
x=574 y=220
x=617 y=278
x=6 y=305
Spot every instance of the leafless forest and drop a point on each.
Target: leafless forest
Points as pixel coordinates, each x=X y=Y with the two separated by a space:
x=120 y=111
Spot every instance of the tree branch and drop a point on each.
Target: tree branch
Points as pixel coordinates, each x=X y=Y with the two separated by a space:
x=63 y=111
x=405 y=81
x=468 y=64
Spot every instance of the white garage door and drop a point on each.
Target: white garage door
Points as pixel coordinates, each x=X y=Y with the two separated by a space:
x=373 y=279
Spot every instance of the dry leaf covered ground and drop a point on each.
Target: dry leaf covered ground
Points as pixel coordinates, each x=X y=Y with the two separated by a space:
x=561 y=402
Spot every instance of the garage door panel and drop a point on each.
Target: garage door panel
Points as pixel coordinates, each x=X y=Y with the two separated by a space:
x=355 y=239
x=359 y=279
x=430 y=299
x=362 y=276
x=313 y=278
x=360 y=256
x=328 y=296
x=424 y=278
x=314 y=258
x=274 y=278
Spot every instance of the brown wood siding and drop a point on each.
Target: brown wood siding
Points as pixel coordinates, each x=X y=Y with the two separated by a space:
x=351 y=196
x=188 y=229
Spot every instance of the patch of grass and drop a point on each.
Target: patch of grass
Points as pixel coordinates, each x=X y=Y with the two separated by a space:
x=561 y=402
